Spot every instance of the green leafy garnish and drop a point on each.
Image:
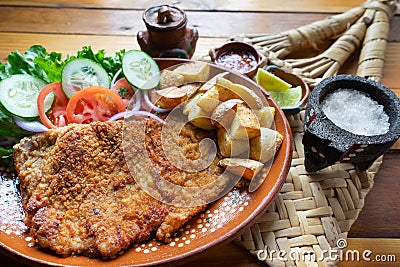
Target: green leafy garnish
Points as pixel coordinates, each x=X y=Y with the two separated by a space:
x=23 y=63
x=48 y=66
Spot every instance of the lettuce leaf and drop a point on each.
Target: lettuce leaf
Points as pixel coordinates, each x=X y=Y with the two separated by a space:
x=8 y=129
x=52 y=65
x=18 y=63
x=36 y=61
x=7 y=126
x=3 y=74
x=5 y=152
x=6 y=157
x=110 y=63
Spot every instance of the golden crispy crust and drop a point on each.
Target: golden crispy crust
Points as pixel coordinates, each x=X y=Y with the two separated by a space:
x=80 y=197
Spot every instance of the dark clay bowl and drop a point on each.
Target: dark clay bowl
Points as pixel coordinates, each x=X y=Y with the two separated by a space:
x=325 y=143
x=237 y=47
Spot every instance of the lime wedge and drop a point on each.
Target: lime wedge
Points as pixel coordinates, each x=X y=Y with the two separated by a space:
x=271 y=82
x=287 y=98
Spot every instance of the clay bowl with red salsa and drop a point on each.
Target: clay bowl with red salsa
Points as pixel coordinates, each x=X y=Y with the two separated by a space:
x=237 y=56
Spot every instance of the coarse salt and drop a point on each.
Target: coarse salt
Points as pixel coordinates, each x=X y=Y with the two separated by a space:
x=356 y=112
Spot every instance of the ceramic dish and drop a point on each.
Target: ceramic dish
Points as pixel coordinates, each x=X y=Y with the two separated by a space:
x=294 y=80
x=239 y=56
x=221 y=222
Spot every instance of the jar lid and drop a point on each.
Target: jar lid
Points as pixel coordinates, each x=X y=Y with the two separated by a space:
x=164 y=17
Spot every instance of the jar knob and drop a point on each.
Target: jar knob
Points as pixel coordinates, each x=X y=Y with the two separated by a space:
x=164 y=15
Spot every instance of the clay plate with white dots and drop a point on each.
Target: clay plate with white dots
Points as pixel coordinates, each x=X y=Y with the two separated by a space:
x=221 y=222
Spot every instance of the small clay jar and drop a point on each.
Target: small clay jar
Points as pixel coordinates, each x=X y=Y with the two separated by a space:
x=167 y=34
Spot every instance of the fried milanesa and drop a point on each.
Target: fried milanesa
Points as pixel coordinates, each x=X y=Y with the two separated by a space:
x=80 y=196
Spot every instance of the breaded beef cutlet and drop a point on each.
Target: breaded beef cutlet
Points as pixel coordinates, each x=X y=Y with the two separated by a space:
x=81 y=197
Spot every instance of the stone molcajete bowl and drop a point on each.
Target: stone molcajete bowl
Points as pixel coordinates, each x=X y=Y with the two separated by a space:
x=325 y=143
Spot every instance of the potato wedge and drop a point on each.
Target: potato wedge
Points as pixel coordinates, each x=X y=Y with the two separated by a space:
x=173 y=96
x=245 y=124
x=189 y=103
x=221 y=81
x=197 y=71
x=170 y=78
x=244 y=93
x=265 y=116
x=210 y=83
x=191 y=89
x=247 y=168
x=264 y=147
x=169 y=97
x=210 y=100
x=199 y=118
x=226 y=94
x=224 y=113
x=231 y=147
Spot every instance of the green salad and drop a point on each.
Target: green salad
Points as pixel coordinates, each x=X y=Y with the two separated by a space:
x=47 y=67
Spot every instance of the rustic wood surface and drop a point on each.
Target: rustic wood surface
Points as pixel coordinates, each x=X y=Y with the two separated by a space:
x=66 y=26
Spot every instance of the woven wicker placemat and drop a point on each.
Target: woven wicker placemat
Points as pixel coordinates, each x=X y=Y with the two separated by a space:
x=308 y=222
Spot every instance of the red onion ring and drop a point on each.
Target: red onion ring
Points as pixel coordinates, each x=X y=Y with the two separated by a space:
x=138 y=100
x=30 y=126
x=114 y=79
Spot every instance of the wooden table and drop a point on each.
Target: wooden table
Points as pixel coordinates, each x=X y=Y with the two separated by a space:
x=65 y=26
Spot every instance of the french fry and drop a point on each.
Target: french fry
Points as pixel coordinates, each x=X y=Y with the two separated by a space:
x=210 y=83
x=189 y=103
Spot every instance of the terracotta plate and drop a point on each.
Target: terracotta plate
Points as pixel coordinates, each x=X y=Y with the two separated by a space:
x=221 y=222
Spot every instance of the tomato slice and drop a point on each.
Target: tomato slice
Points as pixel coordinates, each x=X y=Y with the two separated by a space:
x=124 y=89
x=95 y=103
x=56 y=116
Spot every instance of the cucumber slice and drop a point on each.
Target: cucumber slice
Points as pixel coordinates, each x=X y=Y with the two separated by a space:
x=81 y=73
x=19 y=93
x=140 y=69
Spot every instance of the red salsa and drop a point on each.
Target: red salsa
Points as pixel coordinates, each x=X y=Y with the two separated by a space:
x=241 y=61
